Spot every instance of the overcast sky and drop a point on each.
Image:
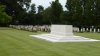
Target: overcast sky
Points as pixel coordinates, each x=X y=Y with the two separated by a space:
x=46 y=3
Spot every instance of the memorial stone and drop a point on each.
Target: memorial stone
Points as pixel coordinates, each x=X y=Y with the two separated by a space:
x=62 y=33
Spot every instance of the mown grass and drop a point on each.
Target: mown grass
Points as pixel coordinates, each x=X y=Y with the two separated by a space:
x=18 y=43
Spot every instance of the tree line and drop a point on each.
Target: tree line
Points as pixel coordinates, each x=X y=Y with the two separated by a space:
x=79 y=13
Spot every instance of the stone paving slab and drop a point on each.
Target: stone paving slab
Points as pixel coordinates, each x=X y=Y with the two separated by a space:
x=57 y=38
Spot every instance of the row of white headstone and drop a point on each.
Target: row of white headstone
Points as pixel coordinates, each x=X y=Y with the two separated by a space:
x=46 y=28
x=76 y=29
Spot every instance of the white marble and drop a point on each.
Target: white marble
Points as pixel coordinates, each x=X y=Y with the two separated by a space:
x=57 y=38
x=63 y=30
x=62 y=33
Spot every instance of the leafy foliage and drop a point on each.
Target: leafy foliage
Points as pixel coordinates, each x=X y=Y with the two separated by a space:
x=83 y=13
x=4 y=18
x=80 y=13
x=16 y=8
x=56 y=10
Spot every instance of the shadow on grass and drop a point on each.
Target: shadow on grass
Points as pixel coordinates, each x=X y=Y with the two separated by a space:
x=5 y=28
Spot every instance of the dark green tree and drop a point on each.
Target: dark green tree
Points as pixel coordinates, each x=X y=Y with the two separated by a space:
x=40 y=9
x=33 y=9
x=32 y=15
x=29 y=17
x=16 y=8
x=4 y=18
x=80 y=11
x=70 y=7
x=88 y=12
x=75 y=12
x=56 y=10
x=64 y=17
x=39 y=15
x=97 y=13
x=47 y=16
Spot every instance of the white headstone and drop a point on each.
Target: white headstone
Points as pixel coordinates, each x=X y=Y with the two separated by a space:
x=87 y=29
x=94 y=30
x=78 y=30
x=83 y=29
x=98 y=30
x=90 y=29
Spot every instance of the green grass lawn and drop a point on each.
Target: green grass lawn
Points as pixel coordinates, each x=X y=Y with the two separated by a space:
x=18 y=43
